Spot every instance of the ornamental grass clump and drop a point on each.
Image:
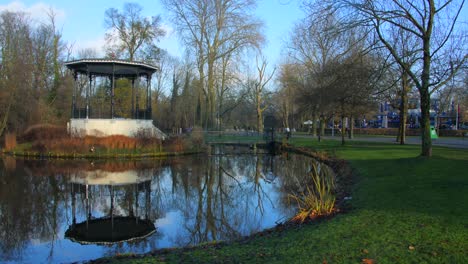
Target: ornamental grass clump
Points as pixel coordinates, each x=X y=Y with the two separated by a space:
x=318 y=199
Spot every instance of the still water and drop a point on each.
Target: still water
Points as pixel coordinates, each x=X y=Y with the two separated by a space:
x=64 y=211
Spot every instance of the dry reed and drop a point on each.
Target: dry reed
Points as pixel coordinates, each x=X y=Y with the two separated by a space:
x=10 y=141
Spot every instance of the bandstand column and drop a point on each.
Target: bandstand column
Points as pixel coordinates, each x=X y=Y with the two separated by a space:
x=112 y=206
x=88 y=212
x=147 y=199
x=137 y=100
x=75 y=78
x=112 y=91
x=73 y=205
x=88 y=94
x=148 y=96
x=136 y=201
x=133 y=98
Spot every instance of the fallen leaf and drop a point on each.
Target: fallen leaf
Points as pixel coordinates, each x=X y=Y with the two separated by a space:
x=368 y=261
x=411 y=247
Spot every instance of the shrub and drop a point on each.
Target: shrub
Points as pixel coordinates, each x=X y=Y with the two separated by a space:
x=145 y=139
x=49 y=138
x=116 y=142
x=43 y=132
x=197 y=136
x=65 y=145
x=175 y=144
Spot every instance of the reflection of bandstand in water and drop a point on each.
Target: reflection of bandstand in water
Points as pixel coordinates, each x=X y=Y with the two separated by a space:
x=111 y=228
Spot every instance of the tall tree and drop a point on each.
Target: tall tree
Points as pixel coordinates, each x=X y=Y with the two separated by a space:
x=315 y=43
x=32 y=80
x=291 y=82
x=350 y=84
x=129 y=30
x=214 y=29
x=16 y=71
x=259 y=84
x=435 y=27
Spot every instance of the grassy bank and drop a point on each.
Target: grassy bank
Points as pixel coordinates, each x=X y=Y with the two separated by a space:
x=113 y=154
x=54 y=142
x=406 y=209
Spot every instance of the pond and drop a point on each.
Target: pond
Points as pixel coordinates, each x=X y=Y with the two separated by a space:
x=76 y=210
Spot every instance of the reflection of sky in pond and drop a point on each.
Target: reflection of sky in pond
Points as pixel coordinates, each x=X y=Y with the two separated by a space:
x=191 y=200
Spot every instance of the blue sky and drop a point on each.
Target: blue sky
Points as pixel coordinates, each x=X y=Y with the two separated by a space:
x=82 y=21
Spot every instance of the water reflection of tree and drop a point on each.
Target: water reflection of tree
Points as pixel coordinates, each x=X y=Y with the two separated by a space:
x=226 y=200
x=289 y=166
x=219 y=197
x=29 y=209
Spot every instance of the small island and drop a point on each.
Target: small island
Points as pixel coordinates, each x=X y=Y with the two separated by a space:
x=94 y=134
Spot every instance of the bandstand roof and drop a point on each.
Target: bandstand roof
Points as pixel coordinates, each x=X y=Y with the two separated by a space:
x=107 y=67
x=108 y=231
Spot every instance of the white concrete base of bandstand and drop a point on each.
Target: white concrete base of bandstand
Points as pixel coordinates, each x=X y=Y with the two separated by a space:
x=107 y=127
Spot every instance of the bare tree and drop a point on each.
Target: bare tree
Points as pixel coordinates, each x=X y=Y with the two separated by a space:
x=290 y=78
x=351 y=86
x=314 y=44
x=258 y=89
x=227 y=80
x=32 y=80
x=166 y=63
x=214 y=30
x=130 y=31
x=87 y=53
x=16 y=71
x=434 y=26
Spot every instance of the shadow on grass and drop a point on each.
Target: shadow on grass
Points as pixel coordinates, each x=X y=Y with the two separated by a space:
x=435 y=186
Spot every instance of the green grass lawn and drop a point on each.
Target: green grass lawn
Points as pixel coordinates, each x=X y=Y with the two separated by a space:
x=406 y=209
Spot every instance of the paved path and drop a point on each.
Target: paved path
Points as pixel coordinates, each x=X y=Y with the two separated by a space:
x=442 y=141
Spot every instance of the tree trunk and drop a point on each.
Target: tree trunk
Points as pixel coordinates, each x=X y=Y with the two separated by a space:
x=351 y=128
x=322 y=125
x=198 y=112
x=201 y=71
x=211 y=92
x=259 y=119
x=206 y=114
x=321 y=128
x=403 y=109
x=314 y=124
x=426 y=146
x=343 y=130
x=286 y=114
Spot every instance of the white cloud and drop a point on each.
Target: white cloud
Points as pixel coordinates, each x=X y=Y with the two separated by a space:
x=38 y=11
x=170 y=41
x=168 y=29
x=93 y=44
